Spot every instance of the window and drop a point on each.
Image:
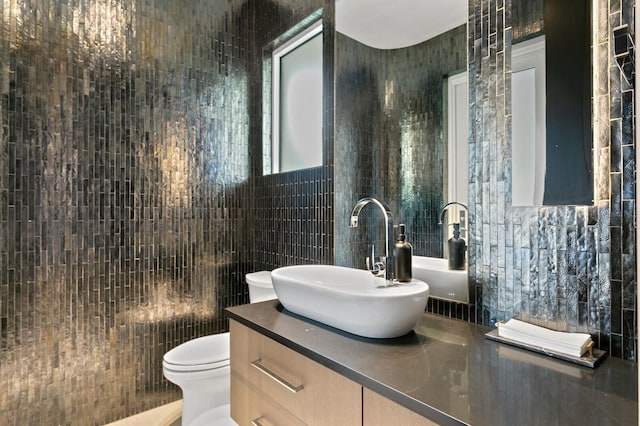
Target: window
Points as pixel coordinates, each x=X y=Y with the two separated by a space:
x=296 y=136
x=528 y=108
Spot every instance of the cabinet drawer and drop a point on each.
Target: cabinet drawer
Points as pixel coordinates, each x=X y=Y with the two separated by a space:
x=380 y=411
x=251 y=408
x=311 y=392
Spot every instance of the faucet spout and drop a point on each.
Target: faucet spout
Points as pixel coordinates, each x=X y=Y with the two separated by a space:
x=446 y=206
x=389 y=261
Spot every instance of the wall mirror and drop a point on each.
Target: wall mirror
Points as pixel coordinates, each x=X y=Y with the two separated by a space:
x=552 y=158
x=393 y=62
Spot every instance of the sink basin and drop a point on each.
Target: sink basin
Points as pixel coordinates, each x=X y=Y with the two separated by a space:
x=443 y=282
x=351 y=300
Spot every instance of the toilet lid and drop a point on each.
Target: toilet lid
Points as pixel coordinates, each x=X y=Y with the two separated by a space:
x=207 y=352
x=259 y=279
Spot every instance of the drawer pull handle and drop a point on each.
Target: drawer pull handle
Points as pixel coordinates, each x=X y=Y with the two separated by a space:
x=258 y=364
x=257 y=422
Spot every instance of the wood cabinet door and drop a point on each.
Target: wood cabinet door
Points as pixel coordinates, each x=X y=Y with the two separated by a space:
x=378 y=410
x=309 y=391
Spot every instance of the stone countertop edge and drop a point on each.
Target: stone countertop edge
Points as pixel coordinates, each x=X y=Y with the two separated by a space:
x=327 y=345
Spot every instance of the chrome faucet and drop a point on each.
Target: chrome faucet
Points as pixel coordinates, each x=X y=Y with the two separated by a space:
x=444 y=210
x=455 y=247
x=387 y=263
x=446 y=206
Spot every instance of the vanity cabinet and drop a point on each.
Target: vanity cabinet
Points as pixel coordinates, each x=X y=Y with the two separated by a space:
x=272 y=384
x=380 y=411
x=446 y=371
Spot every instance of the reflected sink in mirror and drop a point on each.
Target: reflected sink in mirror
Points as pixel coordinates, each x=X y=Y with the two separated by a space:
x=443 y=282
x=352 y=300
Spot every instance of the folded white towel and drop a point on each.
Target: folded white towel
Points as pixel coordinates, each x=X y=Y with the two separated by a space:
x=573 y=344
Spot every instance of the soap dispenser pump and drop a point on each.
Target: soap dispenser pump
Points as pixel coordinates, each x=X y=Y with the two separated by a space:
x=457 y=249
x=403 y=252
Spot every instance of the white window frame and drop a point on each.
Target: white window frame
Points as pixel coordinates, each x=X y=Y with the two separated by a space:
x=458 y=138
x=296 y=41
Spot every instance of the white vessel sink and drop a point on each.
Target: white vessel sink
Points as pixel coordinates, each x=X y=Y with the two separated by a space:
x=351 y=300
x=443 y=282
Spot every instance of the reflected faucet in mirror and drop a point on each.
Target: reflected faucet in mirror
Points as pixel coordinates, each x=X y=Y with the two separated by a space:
x=386 y=263
x=456 y=246
x=444 y=209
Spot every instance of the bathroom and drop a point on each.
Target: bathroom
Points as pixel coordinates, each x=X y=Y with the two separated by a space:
x=134 y=203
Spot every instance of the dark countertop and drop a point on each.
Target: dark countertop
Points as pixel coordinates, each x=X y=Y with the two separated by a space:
x=447 y=371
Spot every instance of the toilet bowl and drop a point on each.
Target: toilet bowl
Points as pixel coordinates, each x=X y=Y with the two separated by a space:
x=200 y=367
x=219 y=416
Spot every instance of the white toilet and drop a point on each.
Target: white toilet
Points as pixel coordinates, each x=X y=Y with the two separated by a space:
x=201 y=367
x=260 y=286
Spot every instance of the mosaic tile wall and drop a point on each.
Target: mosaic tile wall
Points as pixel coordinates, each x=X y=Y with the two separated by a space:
x=569 y=268
x=131 y=196
x=389 y=141
x=128 y=187
x=526 y=19
x=293 y=219
x=294 y=210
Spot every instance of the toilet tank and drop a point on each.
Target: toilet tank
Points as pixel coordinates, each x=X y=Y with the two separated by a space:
x=260 y=286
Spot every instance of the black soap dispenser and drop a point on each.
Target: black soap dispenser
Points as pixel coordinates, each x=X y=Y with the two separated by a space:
x=402 y=252
x=457 y=249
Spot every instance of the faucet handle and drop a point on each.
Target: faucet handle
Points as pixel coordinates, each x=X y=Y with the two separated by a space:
x=375 y=264
x=377 y=268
